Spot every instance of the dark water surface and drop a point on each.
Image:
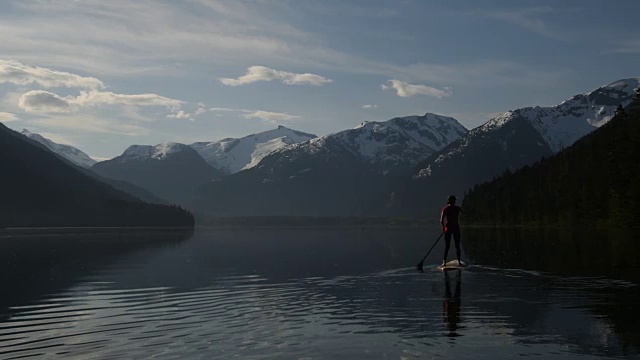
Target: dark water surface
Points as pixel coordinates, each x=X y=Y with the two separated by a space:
x=315 y=293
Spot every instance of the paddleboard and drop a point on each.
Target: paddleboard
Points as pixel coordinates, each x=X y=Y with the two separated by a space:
x=453 y=265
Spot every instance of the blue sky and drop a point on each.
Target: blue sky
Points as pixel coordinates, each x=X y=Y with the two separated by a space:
x=104 y=75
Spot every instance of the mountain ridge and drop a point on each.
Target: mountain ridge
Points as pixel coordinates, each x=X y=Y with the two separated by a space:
x=231 y=155
x=68 y=152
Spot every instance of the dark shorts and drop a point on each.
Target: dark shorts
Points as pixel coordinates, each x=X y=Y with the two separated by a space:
x=452 y=231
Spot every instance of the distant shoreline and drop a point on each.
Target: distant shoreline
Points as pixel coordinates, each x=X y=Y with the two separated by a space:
x=67 y=230
x=310 y=221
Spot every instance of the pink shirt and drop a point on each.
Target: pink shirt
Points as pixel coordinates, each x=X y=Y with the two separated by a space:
x=451 y=213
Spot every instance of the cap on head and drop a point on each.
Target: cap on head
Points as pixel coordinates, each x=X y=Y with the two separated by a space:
x=451 y=199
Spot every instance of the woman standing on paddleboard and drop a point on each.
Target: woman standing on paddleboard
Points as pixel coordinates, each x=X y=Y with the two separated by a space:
x=451 y=226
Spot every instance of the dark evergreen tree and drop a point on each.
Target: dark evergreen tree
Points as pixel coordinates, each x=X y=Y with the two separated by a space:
x=620 y=111
x=594 y=182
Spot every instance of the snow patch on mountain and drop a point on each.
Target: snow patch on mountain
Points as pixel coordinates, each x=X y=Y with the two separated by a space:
x=158 y=152
x=562 y=125
x=68 y=152
x=401 y=138
x=496 y=122
x=435 y=131
x=266 y=148
x=233 y=155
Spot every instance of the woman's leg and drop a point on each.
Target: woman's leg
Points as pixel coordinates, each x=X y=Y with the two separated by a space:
x=456 y=239
x=447 y=244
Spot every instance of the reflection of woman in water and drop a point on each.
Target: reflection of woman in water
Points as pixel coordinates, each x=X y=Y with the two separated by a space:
x=451 y=304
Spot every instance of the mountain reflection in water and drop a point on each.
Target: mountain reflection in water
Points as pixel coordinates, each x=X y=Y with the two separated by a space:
x=297 y=293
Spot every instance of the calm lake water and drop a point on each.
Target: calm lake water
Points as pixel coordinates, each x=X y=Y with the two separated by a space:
x=315 y=293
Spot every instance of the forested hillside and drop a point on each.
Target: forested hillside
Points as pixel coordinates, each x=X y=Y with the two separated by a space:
x=595 y=182
x=38 y=189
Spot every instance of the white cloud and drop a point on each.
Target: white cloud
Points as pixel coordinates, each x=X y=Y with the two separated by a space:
x=48 y=102
x=14 y=72
x=270 y=116
x=405 y=89
x=91 y=124
x=76 y=113
x=267 y=116
x=44 y=102
x=181 y=114
x=91 y=98
x=6 y=117
x=262 y=73
x=370 y=106
x=215 y=109
x=41 y=101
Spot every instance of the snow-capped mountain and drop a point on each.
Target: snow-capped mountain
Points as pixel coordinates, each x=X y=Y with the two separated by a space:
x=148 y=152
x=561 y=125
x=66 y=151
x=333 y=174
x=172 y=171
x=232 y=155
x=398 y=142
x=508 y=142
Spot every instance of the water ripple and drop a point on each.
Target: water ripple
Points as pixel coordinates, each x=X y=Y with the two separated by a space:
x=254 y=317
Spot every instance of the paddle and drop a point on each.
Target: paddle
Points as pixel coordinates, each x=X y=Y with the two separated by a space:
x=421 y=263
